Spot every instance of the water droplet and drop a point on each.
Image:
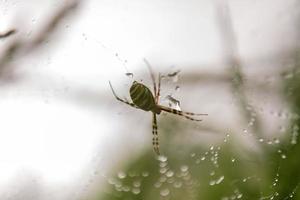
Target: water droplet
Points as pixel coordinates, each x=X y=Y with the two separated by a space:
x=133 y=174
x=84 y=36
x=220 y=180
x=211 y=148
x=212 y=182
x=137 y=183
x=293 y=141
x=239 y=196
x=217 y=181
x=233 y=160
x=279 y=151
x=173 y=103
x=261 y=140
x=225 y=198
x=169 y=173
x=118 y=184
x=171 y=180
x=276 y=141
x=162 y=158
x=111 y=181
x=249 y=107
x=203 y=158
x=184 y=168
x=269 y=142
x=118 y=188
x=163 y=170
x=163 y=164
x=212 y=173
x=295 y=134
x=145 y=174
x=251 y=122
x=164 y=192
x=157 y=184
x=177 y=184
x=126 y=188
x=174 y=75
x=162 y=179
x=121 y=175
x=193 y=155
x=129 y=74
x=283 y=156
x=177 y=88
x=136 y=190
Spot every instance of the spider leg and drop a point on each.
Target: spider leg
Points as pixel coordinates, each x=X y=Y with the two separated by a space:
x=155 y=141
x=158 y=91
x=190 y=113
x=181 y=113
x=122 y=100
x=152 y=75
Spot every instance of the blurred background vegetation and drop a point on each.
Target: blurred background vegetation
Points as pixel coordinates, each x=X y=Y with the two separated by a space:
x=227 y=169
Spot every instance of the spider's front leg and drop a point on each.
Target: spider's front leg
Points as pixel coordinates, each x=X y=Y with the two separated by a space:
x=152 y=76
x=157 y=95
x=122 y=100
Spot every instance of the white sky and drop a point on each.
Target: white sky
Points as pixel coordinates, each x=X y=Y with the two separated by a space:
x=49 y=128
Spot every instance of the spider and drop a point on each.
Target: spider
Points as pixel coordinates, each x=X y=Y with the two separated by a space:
x=142 y=98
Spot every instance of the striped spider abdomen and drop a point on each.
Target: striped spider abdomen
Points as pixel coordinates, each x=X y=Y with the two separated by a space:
x=142 y=97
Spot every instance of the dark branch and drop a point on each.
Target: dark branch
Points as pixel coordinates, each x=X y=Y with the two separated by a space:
x=8 y=33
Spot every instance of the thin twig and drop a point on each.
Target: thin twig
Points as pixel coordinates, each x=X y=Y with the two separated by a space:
x=20 y=47
x=7 y=34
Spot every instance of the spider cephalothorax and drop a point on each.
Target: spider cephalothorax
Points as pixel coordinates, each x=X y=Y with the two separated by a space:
x=144 y=99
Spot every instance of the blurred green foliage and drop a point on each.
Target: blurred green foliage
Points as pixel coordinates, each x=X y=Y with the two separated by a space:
x=224 y=171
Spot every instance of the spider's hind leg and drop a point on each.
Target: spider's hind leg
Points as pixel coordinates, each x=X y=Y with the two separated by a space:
x=155 y=141
x=180 y=113
x=191 y=113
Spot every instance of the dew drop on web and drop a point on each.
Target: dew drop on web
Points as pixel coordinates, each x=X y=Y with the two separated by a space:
x=173 y=103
